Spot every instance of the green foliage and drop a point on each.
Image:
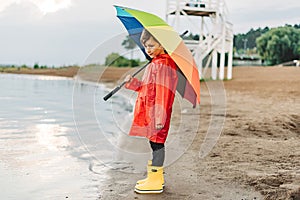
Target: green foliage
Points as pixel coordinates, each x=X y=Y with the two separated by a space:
x=279 y=44
x=111 y=58
x=246 y=41
x=13 y=66
x=191 y=37
x=134 y=63
x=36 y=66
x=114 y=59
x=43 y=67
x=129 y=43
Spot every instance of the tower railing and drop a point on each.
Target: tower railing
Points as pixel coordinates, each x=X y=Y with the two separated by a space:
x=215 y=31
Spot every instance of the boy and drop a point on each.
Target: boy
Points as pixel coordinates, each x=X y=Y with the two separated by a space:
x=153 y=108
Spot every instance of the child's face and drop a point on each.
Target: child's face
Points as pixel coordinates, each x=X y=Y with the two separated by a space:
x=153 y=48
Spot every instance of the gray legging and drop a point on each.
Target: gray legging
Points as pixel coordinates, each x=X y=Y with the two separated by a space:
x=158 y=153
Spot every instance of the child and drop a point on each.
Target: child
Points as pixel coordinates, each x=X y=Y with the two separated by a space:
x=153 y=108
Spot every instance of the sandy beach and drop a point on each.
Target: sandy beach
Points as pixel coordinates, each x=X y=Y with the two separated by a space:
x=257 y=155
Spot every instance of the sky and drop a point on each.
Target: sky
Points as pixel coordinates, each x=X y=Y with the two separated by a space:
x=65 y=32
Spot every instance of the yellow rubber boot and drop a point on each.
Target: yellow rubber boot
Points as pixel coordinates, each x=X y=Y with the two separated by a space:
x=148 y=168
x=154 y=182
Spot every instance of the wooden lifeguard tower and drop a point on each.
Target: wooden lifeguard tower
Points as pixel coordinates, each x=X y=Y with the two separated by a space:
x=208 y=19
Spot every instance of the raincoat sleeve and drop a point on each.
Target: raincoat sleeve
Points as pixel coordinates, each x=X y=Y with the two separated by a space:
x=134 y=84
x=165 y=91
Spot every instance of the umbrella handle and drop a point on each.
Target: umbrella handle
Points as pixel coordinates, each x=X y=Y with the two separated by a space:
x=123 y=83
x=114 y=91
x=184 y=33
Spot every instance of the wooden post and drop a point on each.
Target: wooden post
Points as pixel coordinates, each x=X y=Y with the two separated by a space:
x=214 y=67
x=229 y=67
x=222 y=60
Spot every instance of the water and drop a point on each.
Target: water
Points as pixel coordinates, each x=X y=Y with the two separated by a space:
x=58 y=138
x=44 y=153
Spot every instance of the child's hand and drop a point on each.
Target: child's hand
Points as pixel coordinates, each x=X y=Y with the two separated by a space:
x=128 y=78
x=159 y=126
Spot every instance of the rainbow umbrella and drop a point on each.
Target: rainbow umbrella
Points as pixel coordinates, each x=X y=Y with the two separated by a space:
x=135 y=21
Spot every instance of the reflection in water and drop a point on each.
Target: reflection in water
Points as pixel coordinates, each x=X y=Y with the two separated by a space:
x=40 y=154
x=51 y=136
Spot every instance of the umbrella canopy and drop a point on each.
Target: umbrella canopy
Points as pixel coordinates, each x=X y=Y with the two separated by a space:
x=135 y=21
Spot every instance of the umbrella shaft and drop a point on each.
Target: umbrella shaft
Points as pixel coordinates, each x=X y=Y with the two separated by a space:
x=123 y=83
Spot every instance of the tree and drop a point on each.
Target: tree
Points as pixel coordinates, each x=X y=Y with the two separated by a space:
x=279 y=45
x=247 y=40
x=36 y=66
x=114 y=59
x=129 y=44
x=111 y=59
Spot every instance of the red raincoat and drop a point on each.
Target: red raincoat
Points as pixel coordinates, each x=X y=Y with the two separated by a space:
x=156 y=92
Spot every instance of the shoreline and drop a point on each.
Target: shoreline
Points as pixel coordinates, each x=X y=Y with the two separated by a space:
x=65 y=71
x=257 y=154
x=110 y=74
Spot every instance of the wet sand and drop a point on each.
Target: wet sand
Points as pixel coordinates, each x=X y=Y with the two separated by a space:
x=257 y=155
